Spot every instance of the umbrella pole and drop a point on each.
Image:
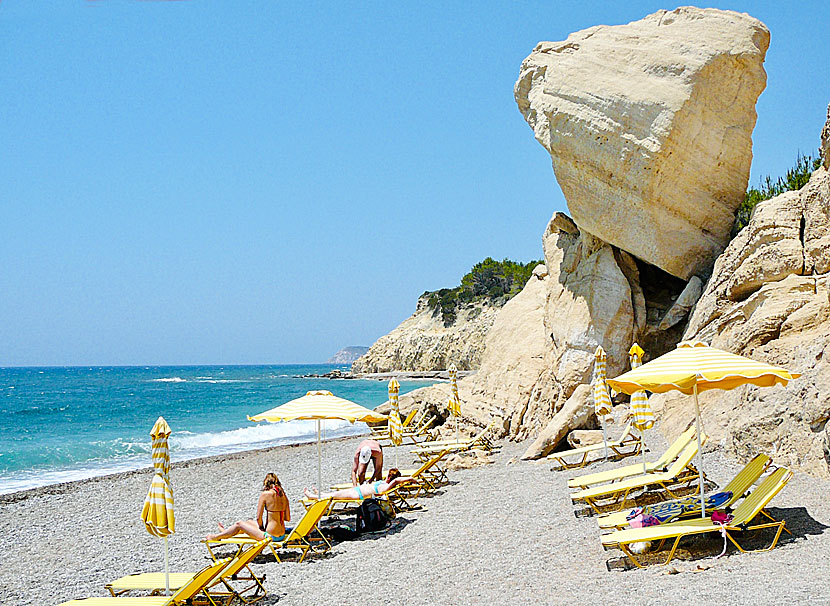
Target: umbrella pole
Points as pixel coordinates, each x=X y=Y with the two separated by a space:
x=319 y=458
x=605 y=440
x=699 y=456
x=643 y=450
x=166 y=570
x=456 y=427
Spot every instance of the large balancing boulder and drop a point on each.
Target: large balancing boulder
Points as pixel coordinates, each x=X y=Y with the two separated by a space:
x=649 y=127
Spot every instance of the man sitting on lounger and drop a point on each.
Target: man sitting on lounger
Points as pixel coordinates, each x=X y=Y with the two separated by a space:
x=368 y=449
x=363 y=491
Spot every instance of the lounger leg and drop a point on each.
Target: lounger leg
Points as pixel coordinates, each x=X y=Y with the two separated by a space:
x=779 y=525
x=766 y=514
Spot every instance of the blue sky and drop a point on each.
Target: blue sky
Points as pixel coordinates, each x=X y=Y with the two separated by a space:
x=233 y=182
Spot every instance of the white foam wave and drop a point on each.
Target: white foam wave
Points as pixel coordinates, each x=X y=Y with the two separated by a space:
x=169 y=380
x=255 y=435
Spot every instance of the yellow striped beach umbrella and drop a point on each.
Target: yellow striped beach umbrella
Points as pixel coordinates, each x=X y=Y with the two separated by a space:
x=319 y=405
x=454 y=403
x=642 y=418
x=157 y=512
x=694 y=367
x=395 y=427
x=602 y=401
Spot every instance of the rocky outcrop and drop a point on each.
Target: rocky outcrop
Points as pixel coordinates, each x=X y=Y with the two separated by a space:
x=769 y=298
x=347 y=355
x=423 y=342
x=649 y=127
x=577 y=412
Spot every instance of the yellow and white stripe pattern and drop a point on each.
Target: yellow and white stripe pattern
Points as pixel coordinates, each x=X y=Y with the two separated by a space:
x=454 y=403
x=319 y=405
x=602 y=401
x=641 y=415
x=395 y=427
x=694 y=363
x=157 y=512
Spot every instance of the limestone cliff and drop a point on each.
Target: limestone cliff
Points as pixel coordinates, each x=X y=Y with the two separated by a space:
x=424 y=342
x=649 y=128
x=769 y=298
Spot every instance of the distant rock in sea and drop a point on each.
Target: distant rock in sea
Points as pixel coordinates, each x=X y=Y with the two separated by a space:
x=347 y=355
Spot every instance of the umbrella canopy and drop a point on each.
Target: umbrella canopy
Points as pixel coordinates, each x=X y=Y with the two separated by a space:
x=395 y=427
x=642 y=417
x=157 y=512
x=319 y=405
x=602 y=401
x=695 y=367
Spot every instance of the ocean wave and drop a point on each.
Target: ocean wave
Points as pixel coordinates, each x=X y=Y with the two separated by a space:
x=169 y=380
x=255 y=434
x=210 y=380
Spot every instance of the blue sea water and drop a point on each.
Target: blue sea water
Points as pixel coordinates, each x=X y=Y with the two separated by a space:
x=63 y=424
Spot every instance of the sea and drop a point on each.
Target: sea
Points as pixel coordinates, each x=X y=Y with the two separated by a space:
x=72 y=423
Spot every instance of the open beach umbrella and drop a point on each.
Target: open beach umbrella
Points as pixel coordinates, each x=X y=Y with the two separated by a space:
x=319 y=405
x=395 y=428
x=455 y=402
x=602 y=401
x=157 y=512
x=641 y=416
x=694 y=367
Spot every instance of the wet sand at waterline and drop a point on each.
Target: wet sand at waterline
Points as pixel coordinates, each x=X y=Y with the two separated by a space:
x=498 y=534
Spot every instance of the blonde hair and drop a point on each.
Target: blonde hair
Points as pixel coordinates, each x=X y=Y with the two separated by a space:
x=272 y=481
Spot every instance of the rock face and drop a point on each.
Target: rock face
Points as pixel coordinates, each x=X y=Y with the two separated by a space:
x=347 y=355
x=422 y=342
x=769 y=298
x=649 y=127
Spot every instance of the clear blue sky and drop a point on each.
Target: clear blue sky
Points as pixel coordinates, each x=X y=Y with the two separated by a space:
x=237 y=182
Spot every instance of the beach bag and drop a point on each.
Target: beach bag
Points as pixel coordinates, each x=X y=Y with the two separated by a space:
x=371 y=517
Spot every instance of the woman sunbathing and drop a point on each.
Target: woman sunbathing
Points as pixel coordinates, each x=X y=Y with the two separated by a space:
x=274 y=504
x=364 y=491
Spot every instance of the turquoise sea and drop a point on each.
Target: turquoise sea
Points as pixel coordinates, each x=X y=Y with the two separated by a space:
x=63 y=424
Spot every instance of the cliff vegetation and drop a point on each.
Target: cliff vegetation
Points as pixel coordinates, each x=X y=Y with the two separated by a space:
x=491 y=281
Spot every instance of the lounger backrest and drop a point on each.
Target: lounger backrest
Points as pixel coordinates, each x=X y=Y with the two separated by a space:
x=676 y=448
x=684 y=458
x=309 y=520
x=482 y=433
x=746 y=478
x=625 y=432
x=758 y=498
x=199 y=581
x=409 y=418
x=430 y=463
x=244 y=558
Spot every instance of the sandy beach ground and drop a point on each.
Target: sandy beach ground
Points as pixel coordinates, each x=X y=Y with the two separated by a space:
x=499 y=534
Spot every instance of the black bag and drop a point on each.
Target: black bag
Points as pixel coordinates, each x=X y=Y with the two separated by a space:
x=371 y=517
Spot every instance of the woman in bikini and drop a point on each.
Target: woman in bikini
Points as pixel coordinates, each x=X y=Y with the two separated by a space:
x=272 y=512
x=364 y=491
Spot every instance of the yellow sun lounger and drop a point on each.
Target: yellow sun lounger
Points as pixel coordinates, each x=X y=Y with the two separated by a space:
x=429 y=477
x=186 y=594
x=382 y=429
x=420 y=434
x=626 y=445
x=658 y=466
x=681 y=472
x=738 y=486
x=480 y=440
x=750 y=507
x=299 y=538
x=237 y=570
x=396 y=498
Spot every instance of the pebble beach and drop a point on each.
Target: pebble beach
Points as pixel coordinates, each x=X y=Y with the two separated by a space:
x=499 y=533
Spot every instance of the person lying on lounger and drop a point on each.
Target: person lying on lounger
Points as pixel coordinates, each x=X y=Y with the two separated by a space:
x=364 y=491
x=272 y=512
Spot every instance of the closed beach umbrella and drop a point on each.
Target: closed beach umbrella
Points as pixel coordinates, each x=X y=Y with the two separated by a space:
x=694 y=367
x=602 y=401
x=319 y=405
x=641 y=416
x=455 y=402
x=157 y=512
x=395 y=428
